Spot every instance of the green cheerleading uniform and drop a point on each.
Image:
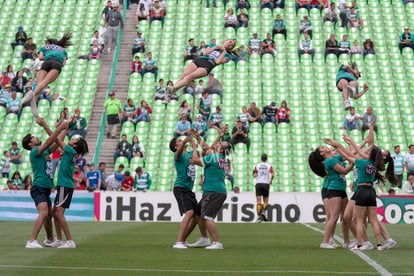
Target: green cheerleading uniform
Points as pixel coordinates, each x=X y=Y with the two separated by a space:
x=365 y=194
x=214 y=173
x=366 y=171
x=343 y=74
x=67 y=167
x=335 y=180
x=186 y=172
x=42 y=168
x=54 y=51
x=214 y=55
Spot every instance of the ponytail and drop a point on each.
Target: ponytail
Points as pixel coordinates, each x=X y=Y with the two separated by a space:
x=316 y=163
x=64 y=42
x=389 y=173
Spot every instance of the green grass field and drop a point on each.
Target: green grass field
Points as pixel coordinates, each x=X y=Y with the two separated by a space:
x=146 y=249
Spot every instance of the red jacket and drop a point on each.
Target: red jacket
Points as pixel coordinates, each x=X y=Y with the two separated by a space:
x=139 y=65
x=4 y=80
x=147 y=108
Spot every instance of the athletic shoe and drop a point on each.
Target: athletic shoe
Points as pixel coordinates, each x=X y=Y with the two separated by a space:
x=180 y=245
x=215 y=246
x=201 y=242
x=347 y=105
x=68 y=244
x=356 y=248
x=166 y=100
x=259 y=220
x=351 y=244
x=389 y=244
x=33 y=244
x=263 y=217
x=327 y=246
x=367 y=246
x=170 y=90
x=380 y=248
x=54 y=243
x=351 y=91
x=333 y=243
x=33 y=105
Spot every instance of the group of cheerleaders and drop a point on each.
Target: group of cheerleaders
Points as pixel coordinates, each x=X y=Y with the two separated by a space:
x=368 y=164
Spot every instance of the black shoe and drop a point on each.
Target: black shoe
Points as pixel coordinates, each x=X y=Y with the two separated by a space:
x=108 y=135
x=263 y=217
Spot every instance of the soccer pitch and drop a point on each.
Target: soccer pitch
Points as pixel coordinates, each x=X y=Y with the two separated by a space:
x=122 y=248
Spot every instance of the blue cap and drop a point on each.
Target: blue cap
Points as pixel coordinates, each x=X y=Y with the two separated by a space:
x=20 y=28
x=119 y=177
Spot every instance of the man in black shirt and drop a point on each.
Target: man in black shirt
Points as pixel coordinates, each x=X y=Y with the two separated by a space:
x=268 y=45
x=239 y=135
x=269 y=113
x=123 y=149
x=331 y=46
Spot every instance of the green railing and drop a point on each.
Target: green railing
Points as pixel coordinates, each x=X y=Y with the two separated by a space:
x=111 y=84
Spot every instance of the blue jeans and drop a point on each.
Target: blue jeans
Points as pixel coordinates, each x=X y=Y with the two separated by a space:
x=306 y=6
x=158 y=18
x=143 y=117
x=286 y=120
x=317 y=6
x=244 y=6
x=267 y=5
x=154 y=71
x=127 y=154
x=216 y=91
x=189 y=90
x=243 y=24
x=208 y=3
x=81 y=132
x=350 y=126
x=271 y=119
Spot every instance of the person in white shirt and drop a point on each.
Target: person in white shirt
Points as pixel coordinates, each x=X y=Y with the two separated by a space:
x=409 y=161
x=408 y=187
x=352 y=120
x=97 y=38
x=147 y=4
x=264 y=175
x=305 y=47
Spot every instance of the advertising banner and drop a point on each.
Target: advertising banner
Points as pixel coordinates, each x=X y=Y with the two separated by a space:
x=396 y=209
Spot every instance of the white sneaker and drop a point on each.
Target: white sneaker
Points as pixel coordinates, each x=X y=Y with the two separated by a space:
x=33 y=105
x=351 y=244
x=215 y=246
x=327 y=246
x=351 y=91
x=389 y=244
x=54 y=243
x=367 y=246
x=68 y=244
x=380 y=248
x=166 y=100
x=180 y=245
x=347 y=105
x=333 y=243
x=201 y=242
x=33 y=244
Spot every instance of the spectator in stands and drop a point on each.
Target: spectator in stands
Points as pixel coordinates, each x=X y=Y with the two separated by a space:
x=353 y=19
x=95 y=51
x=190 y=88
x=183 y=127
x=14 y=105
x=78 y=125
x=254 y=113
x=5 y=95
x=114 y=181
x=142 y=180
x=230 y=176
x=305 y=47
x=167 y=97
x=344 y=46
x=351 y=121
x=115 y=21
x=369 y=119
x=160 y=91
x=143 y=112
x=330 y=14
x=331 y=46
x=99 y=39
x=139 y=44
x=254 y=44
x=10 y=72
x=19 y=82
x=204 y=105
x=230 y=19
x=409 y=161
x=408 y=187
x=163 y=5
x=5 y=164
x=306 y=26
x=355 y=49
x=129 y=112
x=408 y=1
x=200 y=88
x=137 y=148
x=241 y=55
x=268 y=45
x=127 y=183
x=17 y=180
x=214 y=4
x=214 y=86
x=19 y=38
x=316 y=4
x=79 y=178
x=283 y=114
x=267 y=4
x=243 y=19
x=201 y=127
x=369 y=47
x=81 y=162
x=343 y=10
x=226 y=135
x=269 y=113
x=10 y=186
x=185 y=110
x=136 y=65
x=141 y=14
x=398 y=164
x=279 y=27
x=302 y=4
x=201 y=49
x=240 y=135
x=28 y=49
x=107 y=8
x=4 y=79
x=112 y=107
x=215 y=119
x=27 y=182
x=124 y=148
x=244 y=117
x=101 y=170
x=150 y=66
x=242 y=4
x=190 y=51
x=406 y=39
x=157 y=13
x=93 y=179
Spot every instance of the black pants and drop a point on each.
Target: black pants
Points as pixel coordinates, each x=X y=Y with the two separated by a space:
x=283 y=31
x=244 y=140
